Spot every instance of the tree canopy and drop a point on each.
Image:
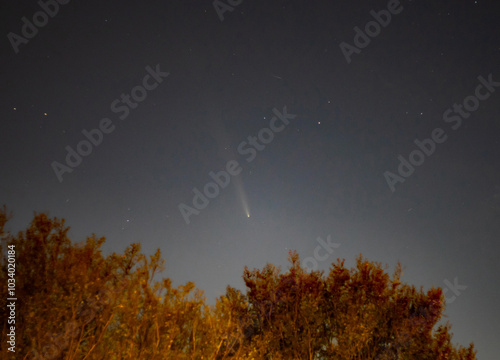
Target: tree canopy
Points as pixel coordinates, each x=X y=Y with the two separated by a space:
x=76 y=303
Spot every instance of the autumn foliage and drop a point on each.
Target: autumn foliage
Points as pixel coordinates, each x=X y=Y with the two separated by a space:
x=76 y=303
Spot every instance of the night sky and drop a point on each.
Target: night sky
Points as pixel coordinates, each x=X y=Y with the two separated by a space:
x=387 y=145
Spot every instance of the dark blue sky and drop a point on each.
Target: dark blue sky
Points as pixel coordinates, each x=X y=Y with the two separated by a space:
x=321 y=174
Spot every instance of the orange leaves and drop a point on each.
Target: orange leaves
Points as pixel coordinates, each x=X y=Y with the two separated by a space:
x=359 y=313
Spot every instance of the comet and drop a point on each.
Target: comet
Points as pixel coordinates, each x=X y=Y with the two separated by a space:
x=227 y=152
x=240 y=190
